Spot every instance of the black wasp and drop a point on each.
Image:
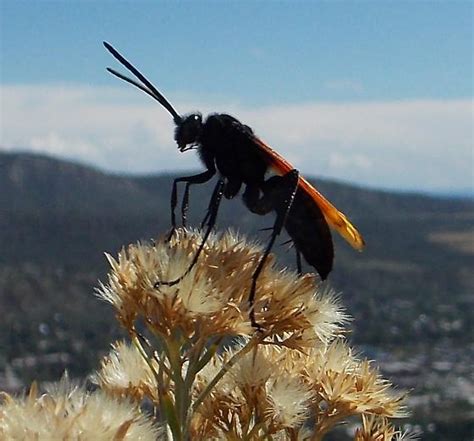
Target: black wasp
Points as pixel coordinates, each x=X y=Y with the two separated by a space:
x=241 y=159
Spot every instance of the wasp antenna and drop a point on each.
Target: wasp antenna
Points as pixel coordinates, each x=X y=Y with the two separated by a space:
x=149 y=89
x=131 y=81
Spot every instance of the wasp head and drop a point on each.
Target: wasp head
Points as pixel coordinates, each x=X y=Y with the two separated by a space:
x=188 y=131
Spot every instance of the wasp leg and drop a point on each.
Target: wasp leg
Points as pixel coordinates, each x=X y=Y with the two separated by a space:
x=211 y=205
x=201 y=178
x=185 y=205
x=231 y=188
x=206 y=218
x=214 y=204
x=299 y=266
x=278 y=195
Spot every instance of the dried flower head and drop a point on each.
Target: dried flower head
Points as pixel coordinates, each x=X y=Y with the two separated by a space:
x=213 y=297
x=375 y=428
x=288 y=388
x=125 y=373
x=288 y=399
x=350 y=385
x=67 y=411
x=295 y=378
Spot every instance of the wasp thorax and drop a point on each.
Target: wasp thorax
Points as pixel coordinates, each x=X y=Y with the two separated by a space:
x=188 y=131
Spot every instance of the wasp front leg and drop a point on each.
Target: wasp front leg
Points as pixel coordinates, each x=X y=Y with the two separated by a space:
x=201 y=178
x=213 y=210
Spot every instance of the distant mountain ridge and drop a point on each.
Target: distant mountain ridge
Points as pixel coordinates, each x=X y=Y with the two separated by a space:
x=32 y=182
x=36 y=177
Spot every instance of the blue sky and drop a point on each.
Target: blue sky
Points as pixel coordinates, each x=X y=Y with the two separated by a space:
x=378 y=93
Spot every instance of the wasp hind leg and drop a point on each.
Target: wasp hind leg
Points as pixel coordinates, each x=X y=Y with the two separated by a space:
x=299 y=265
x=278 y=195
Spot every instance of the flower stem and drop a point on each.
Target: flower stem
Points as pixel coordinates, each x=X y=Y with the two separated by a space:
x=227 y=366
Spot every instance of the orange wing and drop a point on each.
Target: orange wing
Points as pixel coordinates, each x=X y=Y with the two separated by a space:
x=336 y=220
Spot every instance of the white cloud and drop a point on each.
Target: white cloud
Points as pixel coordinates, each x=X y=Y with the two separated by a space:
x=412 y=144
